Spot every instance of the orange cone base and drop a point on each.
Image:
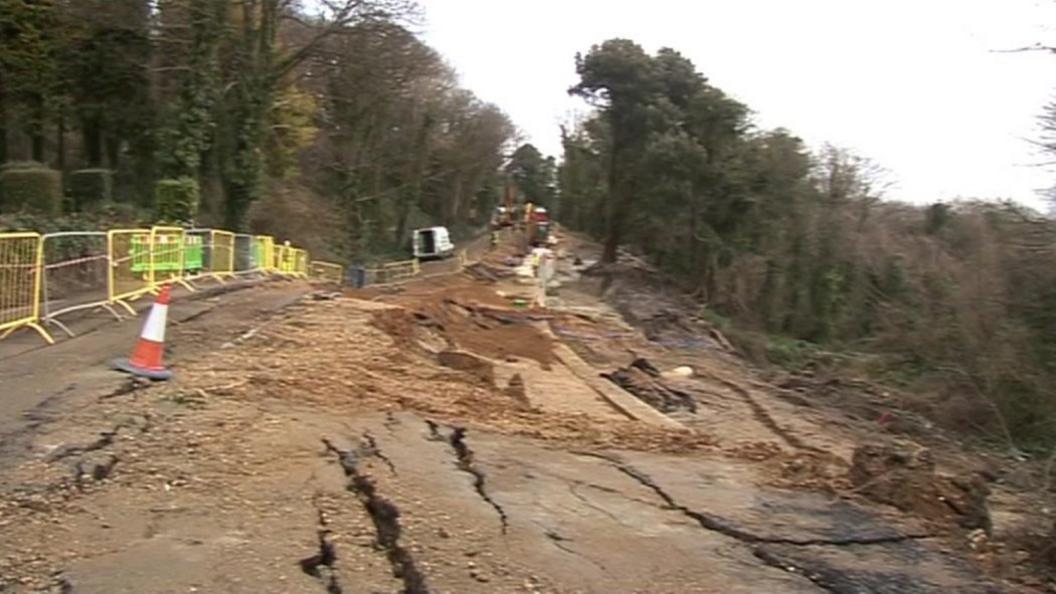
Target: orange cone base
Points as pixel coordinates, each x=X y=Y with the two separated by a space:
x=125 y=365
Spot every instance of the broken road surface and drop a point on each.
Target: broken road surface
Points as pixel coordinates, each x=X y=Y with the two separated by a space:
x=437 y=438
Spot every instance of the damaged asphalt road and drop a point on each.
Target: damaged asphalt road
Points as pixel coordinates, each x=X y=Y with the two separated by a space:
x=333 y=451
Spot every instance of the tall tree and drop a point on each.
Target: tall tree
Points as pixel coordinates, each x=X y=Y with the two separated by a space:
x=533 y=174
x=619 y=78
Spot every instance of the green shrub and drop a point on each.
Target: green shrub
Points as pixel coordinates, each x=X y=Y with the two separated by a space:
x=789 y=353
x=91 y=187
x=30 y=187
x=176 y=200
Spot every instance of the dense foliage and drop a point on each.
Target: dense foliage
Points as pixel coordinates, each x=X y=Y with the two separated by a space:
x=273 y=106
x=31 y=187
x=956 y=300
x=90 y=187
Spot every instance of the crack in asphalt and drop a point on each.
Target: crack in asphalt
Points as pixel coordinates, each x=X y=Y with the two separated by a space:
x=373 y=450
x=321 y=564
x=558 y=541
x=434 y=431
x=587 y=502
x=457 y=439
x=105 y=439
x=773 y=561
x=386 y=518
x=718 y=524
x=128 y=386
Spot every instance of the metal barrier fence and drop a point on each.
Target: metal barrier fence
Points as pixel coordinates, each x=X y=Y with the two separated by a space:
x=242 y=256
x=43 y=277
x=283 y=259
x=21 y=255
x=129 y=277
x=266 y=253
x=221 y=254
x=168 y=257
x=326 y=272
x=75 y=277
x=388 y=273
x=208 y=253
x=300 y=262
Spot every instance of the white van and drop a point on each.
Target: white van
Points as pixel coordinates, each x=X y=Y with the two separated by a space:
x=433 y=242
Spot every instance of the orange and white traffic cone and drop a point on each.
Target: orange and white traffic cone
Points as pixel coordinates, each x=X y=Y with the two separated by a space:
x=146 y=360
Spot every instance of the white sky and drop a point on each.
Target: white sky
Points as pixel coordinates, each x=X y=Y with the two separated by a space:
x=912 y=84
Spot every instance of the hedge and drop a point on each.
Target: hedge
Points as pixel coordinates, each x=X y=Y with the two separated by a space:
x=176 y=200
x=91 y=187
x=30 y=187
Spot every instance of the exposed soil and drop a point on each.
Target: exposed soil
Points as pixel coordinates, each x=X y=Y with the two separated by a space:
x=441 y=436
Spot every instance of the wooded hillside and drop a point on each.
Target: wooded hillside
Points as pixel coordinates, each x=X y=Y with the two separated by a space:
x=954 y=301
x=328 y=122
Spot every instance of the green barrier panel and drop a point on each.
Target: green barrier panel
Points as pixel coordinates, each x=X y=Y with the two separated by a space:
x=139 y=252
x=193 y=253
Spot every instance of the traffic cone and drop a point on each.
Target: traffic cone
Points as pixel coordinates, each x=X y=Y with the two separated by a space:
x=146 y=360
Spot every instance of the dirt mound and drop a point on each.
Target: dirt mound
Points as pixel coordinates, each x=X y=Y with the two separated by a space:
x=474 y=318
x=470 y=363
x=343 y=357
x=906 y=479
x=663 y=311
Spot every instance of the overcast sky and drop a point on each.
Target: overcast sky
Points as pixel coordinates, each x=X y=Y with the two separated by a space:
x=914 y=85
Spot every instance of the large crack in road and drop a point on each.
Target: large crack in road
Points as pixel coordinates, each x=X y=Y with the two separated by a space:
x=457 y=439
x=321 y=564
x=386 y=518
x=717 y=524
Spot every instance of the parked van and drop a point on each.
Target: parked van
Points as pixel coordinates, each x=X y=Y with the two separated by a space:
x=433 y=242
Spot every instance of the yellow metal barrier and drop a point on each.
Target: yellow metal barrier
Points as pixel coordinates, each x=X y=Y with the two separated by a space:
x=221 y=254
x=167 y=257
x=326 y=272
x=266 y=253
x=129 y=277
x=279 y=263
x=21 y=265
x=395 y=271
x=290 y=260
x=75 y=276
x=300 y=262
x=137 y=262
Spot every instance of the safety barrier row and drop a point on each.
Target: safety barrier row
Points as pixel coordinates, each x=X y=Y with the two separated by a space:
x=387 y=273
x=326 y=272
x=43 y=277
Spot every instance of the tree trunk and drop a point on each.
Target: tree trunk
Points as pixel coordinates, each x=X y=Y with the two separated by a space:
x=91 y=133
x=36 y=130
x=238 y=196
x=113 y=152
x=613 y=210
x=37 y=150
x=3 y=129
x=60 y=142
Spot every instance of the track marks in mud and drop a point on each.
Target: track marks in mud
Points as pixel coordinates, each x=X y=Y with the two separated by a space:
x=457 y=439
x=386 y=518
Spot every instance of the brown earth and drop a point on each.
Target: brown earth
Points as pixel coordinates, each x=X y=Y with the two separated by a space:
x=439 y=437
